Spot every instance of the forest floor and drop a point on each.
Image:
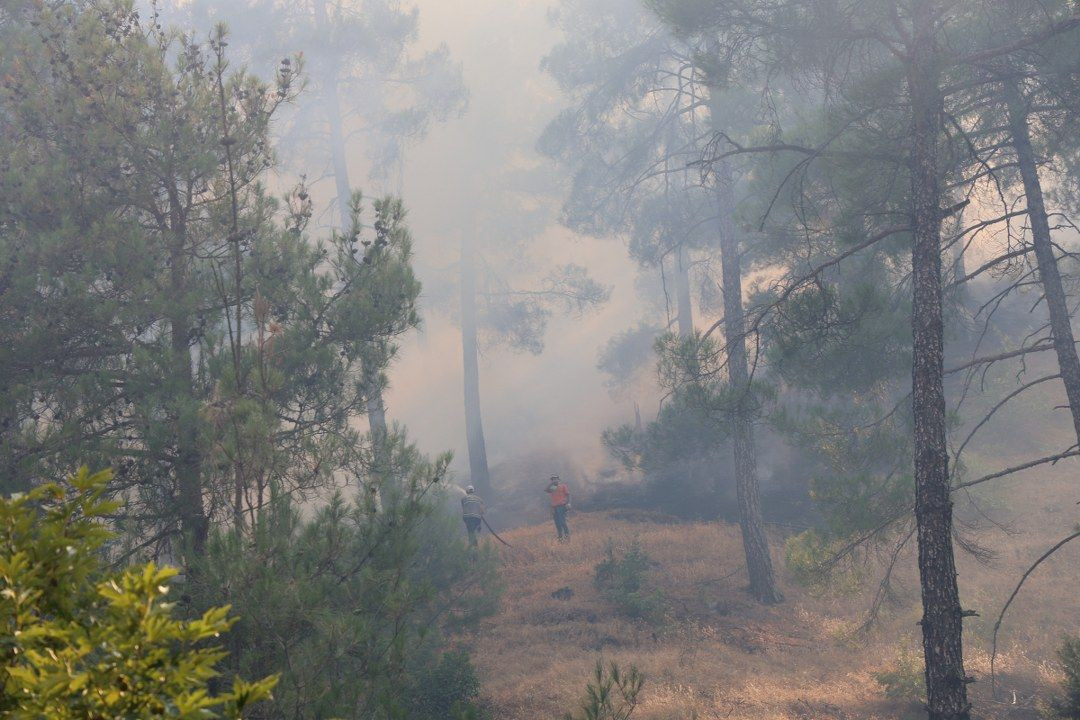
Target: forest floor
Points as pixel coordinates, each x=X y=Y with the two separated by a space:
x=720 y=655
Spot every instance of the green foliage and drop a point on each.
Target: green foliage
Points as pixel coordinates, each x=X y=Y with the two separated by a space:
x=1067 y=707
x=172 y=319
x=906 y=682
x=447 y=689
x=80 y=641
x=816 y=562
x=611 y=695
x=185 y=328
x=625 y=580
x=845 y=331
x=842 y=348
x=684 y=452
x=681 y=455
x=163 y=313
x=349 y=602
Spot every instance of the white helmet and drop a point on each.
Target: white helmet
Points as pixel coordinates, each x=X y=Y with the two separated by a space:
x=470 y=489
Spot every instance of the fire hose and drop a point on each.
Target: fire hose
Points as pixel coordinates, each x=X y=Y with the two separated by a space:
x=492 y=531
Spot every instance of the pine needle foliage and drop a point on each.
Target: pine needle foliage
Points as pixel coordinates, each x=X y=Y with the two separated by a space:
x=350 y=601
x=1067 y=707
x=611 y=695
x=625 y=580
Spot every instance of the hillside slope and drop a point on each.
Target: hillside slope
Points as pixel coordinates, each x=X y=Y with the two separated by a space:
x=723 y=656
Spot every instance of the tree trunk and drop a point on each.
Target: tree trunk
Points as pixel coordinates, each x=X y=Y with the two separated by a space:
x=942 y=622
x=682 y=291
x=474 y=425
x=376 y=412
x=194 y=525
x=1049 y=274
x=376 y=409
x=333 y=119
x=755 y=543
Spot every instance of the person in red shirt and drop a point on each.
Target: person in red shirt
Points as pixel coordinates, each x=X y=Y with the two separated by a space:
x=560 y=504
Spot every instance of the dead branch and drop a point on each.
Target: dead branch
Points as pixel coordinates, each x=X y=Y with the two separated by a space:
x=1016 y=590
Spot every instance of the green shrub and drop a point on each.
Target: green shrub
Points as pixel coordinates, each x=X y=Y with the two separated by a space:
x=611 y=695
x=350 y=601
x=906 y=681
x=447 y=689
x=81 y=641
x=1067 y=707
x=625 y=581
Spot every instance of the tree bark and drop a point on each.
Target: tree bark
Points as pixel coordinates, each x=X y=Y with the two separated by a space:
x=194 y=524
x=332 y=103
x=682 y=293
x=755 y=543
x=376 y=411
x=942 y=622
x=474 y=426
x=1049 y=274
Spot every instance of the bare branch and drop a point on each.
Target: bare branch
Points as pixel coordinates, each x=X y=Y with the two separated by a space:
x=1016 y=590
x=1051 y=459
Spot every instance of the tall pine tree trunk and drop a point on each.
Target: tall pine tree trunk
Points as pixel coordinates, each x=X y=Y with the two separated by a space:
x=1049 y=274
x=755 y=543
x=332 y=103
x=194 y=524
x=376 y=409
x=474 y=425
x=942 y=622
x=682 y=293
x=683 y=307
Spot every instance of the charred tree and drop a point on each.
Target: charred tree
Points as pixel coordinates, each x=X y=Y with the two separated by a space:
x=942 y=622
x=1049 y=273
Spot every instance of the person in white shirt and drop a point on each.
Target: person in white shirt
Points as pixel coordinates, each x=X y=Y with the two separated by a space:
x=472 y=512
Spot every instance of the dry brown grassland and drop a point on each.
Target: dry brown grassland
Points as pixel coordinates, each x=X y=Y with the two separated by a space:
x=723 y=656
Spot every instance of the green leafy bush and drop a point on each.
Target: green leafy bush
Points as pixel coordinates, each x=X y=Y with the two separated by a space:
x=906 y=681
x=625 y=581
x=611 y=695
x=80 y=641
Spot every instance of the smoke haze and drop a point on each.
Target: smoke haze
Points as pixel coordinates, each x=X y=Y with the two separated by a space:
x=553 y=402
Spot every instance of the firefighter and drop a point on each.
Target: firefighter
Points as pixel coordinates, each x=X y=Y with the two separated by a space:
x=472 y=512
x=560 y=505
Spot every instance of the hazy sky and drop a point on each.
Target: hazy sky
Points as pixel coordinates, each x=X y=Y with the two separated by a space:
x=555 y=402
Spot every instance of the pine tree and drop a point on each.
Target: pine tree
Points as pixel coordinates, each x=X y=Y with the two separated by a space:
x=214 y=349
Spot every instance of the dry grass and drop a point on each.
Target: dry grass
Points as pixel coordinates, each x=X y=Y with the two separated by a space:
x=723 y=656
